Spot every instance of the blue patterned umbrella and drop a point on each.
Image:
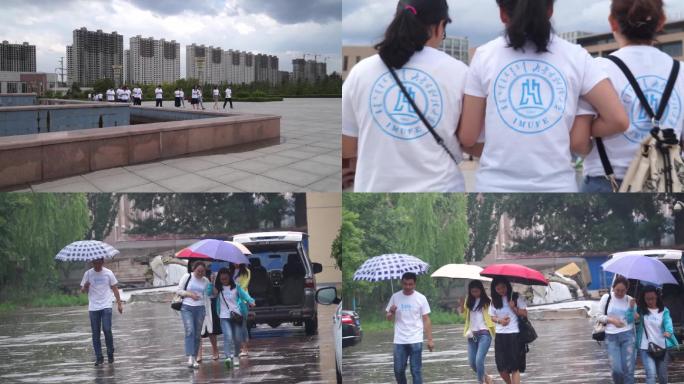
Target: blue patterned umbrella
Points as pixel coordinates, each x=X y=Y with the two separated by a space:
x=390 y=267
x=86 y=250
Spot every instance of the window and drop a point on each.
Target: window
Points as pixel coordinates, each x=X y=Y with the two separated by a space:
x=345 y=65
x=12 y=87
x=673 y=49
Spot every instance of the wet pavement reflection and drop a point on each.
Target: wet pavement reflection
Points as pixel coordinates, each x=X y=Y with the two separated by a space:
x=563 y=353
x=54 y=346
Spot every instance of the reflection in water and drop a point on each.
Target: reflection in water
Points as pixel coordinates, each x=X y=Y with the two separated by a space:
x=54 y=346
x=564 y=353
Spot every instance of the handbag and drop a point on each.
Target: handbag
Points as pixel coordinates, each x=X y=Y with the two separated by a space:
x=527 y=334
x=434 y=134
x=654 y=350
x=599 y=333
x=177 y=301
x=658 y=165
x=235 y=317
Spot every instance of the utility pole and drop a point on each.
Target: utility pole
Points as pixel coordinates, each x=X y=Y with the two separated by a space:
x=60 y=70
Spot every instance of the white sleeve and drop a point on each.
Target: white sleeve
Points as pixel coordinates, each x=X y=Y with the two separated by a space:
x=474 y=85
x=593 y=73
x=389 y=305
x=85 y=278
x=181 y=284
x=584 y=108
x=424 y=307
x=492 y=310
x=522 y=304
x=601 y=315
x=112 y=279
x=349 y=122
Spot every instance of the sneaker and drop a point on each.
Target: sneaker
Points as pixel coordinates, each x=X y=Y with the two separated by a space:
x=191 y=362
x=229 y=362
x=110 y=359
x=195 y=365
x=244 y=354
x=99 y=361
x=236 y=363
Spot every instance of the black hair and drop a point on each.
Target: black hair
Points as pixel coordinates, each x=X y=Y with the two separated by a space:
x=410 y=29
x=638 y=19
x=410 y=276
x=497 y=302
x=242 y=270
x=528 y=21
x=217 y=282
x=484 y=299
x=643 y=308
x=621 y=280
x=193 y=265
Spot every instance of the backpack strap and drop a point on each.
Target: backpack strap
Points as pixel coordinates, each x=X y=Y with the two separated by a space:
x=605 y=312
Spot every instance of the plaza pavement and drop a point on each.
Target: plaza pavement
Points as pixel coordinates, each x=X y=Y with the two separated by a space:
x=306 y=159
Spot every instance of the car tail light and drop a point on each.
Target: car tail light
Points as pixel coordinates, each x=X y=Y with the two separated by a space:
x=347 y=319
x=309 y=283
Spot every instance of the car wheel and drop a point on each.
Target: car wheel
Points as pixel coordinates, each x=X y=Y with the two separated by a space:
x=274 y=324
x=311 y=326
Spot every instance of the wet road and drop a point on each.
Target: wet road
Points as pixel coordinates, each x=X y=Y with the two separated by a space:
x=563 y=353
x=54 y=346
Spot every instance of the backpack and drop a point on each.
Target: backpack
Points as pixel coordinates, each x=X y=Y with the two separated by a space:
x=657 y=165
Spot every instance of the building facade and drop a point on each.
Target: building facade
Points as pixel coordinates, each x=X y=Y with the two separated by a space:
x=151 y=61
x=266 y=69
x=308 y=71
x=670 y=41
x=17 y=57
x=456 y=47
x=574 y=35
x=94 y=56
x=211 y=65
x=27 y=82
x=352 y=55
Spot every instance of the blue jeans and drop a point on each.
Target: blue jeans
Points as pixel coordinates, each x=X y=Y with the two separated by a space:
x=478 y=346
x=231 y=337
x=193 y=317
x=102 y=319
x=597 y=184
x=655 y=368
x=622 y=354
x=404 y=352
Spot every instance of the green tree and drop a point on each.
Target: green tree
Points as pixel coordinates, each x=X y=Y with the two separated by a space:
x=484 y=213
x=102 y=85
x=103 y=209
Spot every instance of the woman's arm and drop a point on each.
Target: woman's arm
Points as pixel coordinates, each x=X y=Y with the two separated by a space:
x=612 y=118
x=472 y=121
x=349 y=156
x=580 y=135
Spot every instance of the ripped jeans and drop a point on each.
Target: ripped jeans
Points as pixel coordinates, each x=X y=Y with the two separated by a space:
x=622 y=354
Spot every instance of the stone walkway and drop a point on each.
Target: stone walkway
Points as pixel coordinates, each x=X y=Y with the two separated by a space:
x=307 y=159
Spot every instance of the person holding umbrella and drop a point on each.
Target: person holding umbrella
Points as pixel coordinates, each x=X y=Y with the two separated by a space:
x=617 y=311
x=654 y=326
x=195 y=289
x=242 y=275
x=99 y=282
x=479 y=329
x=232 y=304
x=509 y=352
x=410 y=312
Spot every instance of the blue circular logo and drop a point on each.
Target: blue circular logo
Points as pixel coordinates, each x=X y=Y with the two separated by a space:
x=391 y=110
x=640 y=123
x=530 y=96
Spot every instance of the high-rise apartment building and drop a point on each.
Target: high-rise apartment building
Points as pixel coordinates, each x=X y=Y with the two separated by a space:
x=95 y=56
x=456 y=47
x=308 y=71
x=211 y=65
x=151 y=61
x=204 y=64
x=17 y=57
x=266 y=69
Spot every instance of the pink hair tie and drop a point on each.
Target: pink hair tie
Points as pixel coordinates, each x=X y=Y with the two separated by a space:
x=412 y=9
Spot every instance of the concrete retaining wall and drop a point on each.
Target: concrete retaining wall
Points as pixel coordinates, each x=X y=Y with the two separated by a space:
x=17 y=99
x=53 y=118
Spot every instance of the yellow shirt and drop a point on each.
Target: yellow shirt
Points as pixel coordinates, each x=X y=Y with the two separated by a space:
x=244 y=280
x=485 y=313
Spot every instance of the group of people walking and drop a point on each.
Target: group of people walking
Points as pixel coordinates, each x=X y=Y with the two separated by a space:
x=631 y=326
x=126 y=95
x=528 y=102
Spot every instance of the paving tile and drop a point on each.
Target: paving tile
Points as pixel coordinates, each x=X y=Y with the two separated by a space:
x=293 y=176
x=277 y=160
x=188 y=183
x=327 y=159
x=316 y=167
x=159 y=172
x=253 y=166
x=297 y=154
x=40 y=187
x=83 y=186
x=231 y=177
x=118 y=182
x=190 y=164
x=329 y=184
x=105 y=173
x=263 y=184
x=224 y=189
x=145 y=188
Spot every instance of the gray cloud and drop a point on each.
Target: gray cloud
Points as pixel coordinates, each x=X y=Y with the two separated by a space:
x=295 y=11
x=174 y=7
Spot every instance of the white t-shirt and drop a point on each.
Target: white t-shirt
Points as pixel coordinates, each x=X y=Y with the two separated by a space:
x=194 y=93
x=100 y=293
x=182 y=94
x=110 y=95
x=654 y=328
x=229 y=93
x=652 y=68
x=408 y=319
x=137 y=93
x=177 y=94
x=230 y=296
x=128 y=93
x=396 y=152
x=531 y=106
x=477 y=322
x=198 y=286
x=124 y=95
x=158 y=92
x=617 y=309
x=506 y=311
x=119 y=92
x=215 y=92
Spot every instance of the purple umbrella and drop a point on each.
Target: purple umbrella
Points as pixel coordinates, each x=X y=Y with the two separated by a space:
x=214 y=249
x=640 y=267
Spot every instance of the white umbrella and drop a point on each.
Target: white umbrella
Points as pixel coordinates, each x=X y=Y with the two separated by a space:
x=86 y=250
x=241 y=247
x=460 y=271
x=390 y=267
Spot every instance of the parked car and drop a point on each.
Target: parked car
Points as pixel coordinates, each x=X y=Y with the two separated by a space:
x=327 y=296
x=351 y=328
x=673 y=295
x=283 y=279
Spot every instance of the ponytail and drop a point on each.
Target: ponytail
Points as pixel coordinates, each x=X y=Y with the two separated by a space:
x=638 y=19
x=529 y=21
x=410 y=29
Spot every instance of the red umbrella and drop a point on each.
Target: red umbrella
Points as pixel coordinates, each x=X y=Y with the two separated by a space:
x=515 y=273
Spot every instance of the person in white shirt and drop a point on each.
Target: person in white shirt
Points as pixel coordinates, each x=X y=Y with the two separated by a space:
x=119 y=97
x=159 y=95
x=100 y=284
x=124 y=97
x=128 y=94
x=182 y=95
x=229 y=98
x=194 y=100
x=177 y=97
x=479 y=329
x=522 y=95
x=635 y=25
x=110 y=95
x=382 y=133
x=98 y=97
x=216 y=94
x=196 y=289
x=617 y=311
x=199 y=97
x=410 y=312
x=509 y=352
x=137 y=96
x=230 y=296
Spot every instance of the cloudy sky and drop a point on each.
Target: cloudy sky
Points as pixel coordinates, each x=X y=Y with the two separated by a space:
x=364 y=21
x=285 y=28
